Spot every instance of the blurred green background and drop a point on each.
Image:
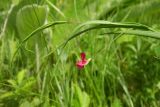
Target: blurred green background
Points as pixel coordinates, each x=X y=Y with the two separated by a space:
x=41 y=41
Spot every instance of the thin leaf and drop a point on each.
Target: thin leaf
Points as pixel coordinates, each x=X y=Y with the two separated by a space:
x=36 y=31
x=150 y=34
x=98 y=24
x=56 y=8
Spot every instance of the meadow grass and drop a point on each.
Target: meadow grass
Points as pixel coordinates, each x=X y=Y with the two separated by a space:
x=41 y=42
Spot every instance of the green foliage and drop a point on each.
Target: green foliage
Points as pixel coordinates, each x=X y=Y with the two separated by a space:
x=116 y=103
x=82 y=97
x=19 y=88
x=41 y=41
x=15 y=2
x=28 y=19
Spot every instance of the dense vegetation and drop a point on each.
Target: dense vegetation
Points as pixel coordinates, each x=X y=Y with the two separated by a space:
x=41 y=42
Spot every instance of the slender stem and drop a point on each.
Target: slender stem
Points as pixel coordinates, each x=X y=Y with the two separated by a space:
x=6 y=21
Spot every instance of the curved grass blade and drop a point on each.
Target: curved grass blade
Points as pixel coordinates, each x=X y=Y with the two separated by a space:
x=98 y=24
x=54 y=7
x=36 y=31
x=108 y=24
x=150 y=34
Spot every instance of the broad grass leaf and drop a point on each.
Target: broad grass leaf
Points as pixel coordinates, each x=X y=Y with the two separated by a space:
x=83 y=97
x=20 y=76
x=29 y=18
x=33 y=33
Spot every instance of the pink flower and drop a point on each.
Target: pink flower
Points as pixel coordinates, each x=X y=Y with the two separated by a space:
x=81 y=63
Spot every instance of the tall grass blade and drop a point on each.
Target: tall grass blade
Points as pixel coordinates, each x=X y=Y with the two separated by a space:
x=98 y=24
x=150 y=34
x=36 y=31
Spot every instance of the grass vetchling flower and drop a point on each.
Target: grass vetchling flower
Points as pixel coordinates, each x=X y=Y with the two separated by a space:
x=81 y=63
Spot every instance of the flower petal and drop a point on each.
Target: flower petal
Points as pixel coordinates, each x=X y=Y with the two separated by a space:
x=83 y=56
x=80 y=64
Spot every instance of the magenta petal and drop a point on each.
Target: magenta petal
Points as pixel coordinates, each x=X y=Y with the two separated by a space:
x=81 y=64
x=83 y=56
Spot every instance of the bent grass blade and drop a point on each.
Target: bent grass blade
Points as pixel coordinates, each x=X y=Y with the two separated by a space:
x=36 y=31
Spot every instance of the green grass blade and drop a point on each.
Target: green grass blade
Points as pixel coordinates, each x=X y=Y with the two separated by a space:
x=36 y=31
x=150 y=34
x=109 y=24
x=98 y=24
x=56 y=8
